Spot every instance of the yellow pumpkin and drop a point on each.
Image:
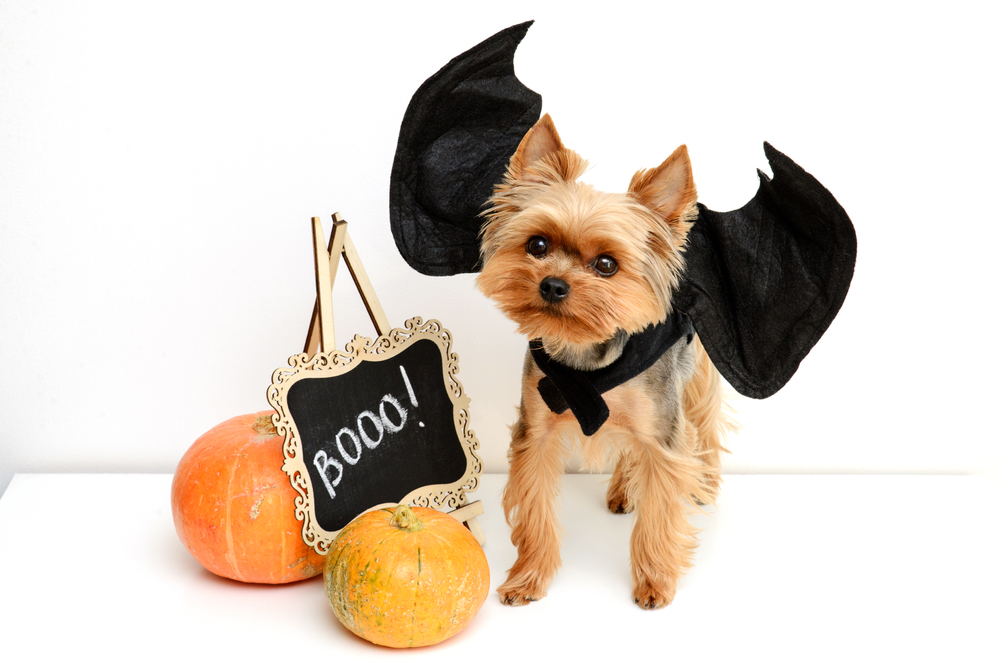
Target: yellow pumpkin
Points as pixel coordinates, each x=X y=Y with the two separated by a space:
x=406 y=576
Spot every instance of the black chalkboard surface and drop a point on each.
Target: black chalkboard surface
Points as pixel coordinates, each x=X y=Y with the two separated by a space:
x=382 y=423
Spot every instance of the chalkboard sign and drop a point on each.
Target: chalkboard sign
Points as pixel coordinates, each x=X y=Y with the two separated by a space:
x=383 y=423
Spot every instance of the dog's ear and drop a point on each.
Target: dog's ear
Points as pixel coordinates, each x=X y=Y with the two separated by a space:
x=542 y=158
x=669 y=191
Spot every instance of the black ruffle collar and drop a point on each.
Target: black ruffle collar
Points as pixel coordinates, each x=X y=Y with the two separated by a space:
x=580 y=391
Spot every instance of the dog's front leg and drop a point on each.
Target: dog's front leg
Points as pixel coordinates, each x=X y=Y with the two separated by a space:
x=665 y=474
x=617 y=496
x=530 y=503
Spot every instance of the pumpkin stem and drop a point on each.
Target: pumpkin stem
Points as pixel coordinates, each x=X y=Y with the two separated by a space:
x=404 y=519
x=263 y=426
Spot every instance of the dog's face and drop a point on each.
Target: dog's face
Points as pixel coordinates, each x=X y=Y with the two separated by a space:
x=573 y=265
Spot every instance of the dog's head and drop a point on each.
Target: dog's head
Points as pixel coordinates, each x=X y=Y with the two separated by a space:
x=573 y=265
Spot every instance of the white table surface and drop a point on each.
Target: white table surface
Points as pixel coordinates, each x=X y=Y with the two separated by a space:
x=792 y=570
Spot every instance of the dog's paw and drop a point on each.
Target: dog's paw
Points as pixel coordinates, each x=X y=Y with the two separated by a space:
x=618 y=502
x=649 y=595
x=528 y=579
x=517 y=596
x=701 y=501
x=618 y=506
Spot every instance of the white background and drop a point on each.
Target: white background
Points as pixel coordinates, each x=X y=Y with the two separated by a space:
x=159 y=164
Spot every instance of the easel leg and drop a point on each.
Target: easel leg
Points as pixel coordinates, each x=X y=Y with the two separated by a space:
x=467 y=514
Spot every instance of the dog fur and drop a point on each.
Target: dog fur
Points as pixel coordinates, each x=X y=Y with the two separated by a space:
x=666 y=426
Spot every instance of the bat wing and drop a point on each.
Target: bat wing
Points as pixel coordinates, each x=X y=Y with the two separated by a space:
x=457 y=136
x=764 y=282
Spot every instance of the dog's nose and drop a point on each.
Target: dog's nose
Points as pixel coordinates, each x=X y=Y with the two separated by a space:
x=553 y=289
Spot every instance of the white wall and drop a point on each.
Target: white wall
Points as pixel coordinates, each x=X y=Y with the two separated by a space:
x=159 y=164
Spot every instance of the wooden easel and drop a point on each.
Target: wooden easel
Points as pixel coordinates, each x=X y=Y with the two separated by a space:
x=320 y=337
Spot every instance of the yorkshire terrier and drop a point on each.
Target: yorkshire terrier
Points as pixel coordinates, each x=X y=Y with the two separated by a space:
x=580 y=271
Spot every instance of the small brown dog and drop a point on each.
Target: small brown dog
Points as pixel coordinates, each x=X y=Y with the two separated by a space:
x=581 y=272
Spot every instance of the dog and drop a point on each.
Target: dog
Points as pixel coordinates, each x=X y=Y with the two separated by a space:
x=581 y=272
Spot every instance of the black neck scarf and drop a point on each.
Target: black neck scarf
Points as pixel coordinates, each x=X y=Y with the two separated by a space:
x=580 y=391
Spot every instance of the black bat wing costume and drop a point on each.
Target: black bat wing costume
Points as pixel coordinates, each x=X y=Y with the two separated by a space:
x=762 y=283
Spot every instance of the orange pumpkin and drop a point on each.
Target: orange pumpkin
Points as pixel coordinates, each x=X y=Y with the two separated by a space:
x=234 y=508
x=406 y=576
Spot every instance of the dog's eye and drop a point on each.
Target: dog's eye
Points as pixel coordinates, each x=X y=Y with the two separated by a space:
x=538 y=246
x=605 y=265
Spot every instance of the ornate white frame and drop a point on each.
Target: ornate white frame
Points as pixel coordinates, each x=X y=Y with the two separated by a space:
x=328 y=364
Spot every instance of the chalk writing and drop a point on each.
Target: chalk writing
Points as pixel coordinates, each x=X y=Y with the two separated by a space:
x=371 y=430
